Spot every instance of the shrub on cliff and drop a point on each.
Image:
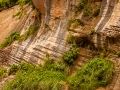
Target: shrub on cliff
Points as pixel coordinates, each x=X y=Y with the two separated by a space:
x=3 y=72
x=4 y=4
x=70 y=56
x=13 y=69
x=31 y=77
x=28 y=33
x=12 y=37
x=97 y=72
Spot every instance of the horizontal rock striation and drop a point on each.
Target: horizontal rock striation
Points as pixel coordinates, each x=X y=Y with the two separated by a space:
x=50 y=37
x=108 y=32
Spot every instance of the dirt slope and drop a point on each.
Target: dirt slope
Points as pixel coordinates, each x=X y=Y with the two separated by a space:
x=7 y=22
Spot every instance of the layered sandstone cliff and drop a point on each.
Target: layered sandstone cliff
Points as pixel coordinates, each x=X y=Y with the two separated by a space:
x=51 y=36
x=52 y=33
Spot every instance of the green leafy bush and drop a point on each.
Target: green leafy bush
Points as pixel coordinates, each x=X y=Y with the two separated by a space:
x=14 y=36
x=36 y=78
x=26 y=66
x=87 y=10
x=13 y=69
x=3 y=72
x=4 y=4
x=97 y=72
x=70 y=56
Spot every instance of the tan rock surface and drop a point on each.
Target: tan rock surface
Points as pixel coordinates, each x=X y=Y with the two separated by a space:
x=7 y=22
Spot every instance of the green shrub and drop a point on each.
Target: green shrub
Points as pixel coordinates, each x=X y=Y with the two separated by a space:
x=71 y=39
x=4 y=4
x=36 y=78
x=14 y=36
x=97 y=72
x=70 y=56
x=87 y=10
x=96 y=12
x=118 y=53
x=28 y=33
x=3 y=72
x=13 y=69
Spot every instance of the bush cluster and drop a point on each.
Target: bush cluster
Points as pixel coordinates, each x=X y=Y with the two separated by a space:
x=70 y=56
x=97 y=72
x=52 y=76
x=31 y=77
x=13 y=69
x=85 y=6
x=4 y=4
x=3 y=72
x=12 y=37
x=16 y=36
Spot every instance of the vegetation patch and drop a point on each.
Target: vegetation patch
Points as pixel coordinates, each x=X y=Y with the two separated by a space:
x=31 y=77
x=4 y=4
x=88 y=8
x=97 y=72
x=70 y=56
x=16 y=36
x=12 y=37
x=13 y=69
x=74 y=23
x=19 y=14
x=3 y=72
x=28 y=33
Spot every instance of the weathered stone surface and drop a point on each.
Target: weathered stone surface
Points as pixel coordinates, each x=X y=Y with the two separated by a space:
x=108 y=32
x=51 y=36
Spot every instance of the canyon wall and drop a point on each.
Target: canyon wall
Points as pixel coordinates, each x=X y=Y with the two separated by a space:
x=108 y=29
x=51 y=36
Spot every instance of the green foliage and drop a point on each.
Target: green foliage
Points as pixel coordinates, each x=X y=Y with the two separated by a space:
x=13 y=69
x=71 y=39
x=26 y=66
x=97 y=72
x=74 y=23
x=96 y=12
x=87 y=10
x=85 y=6
x=14 y=36
x=19 y=14
x=71 y=55
x=36 y=78
x=28 y=33
x=4 y=4
x=3 y=72
x=81 y=6
x=23 y=2
x=118 y=53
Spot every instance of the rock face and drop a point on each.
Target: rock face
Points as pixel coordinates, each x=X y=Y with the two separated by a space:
x=51 y=36
x=108 y=32
x=52 y=33
x=7 y=23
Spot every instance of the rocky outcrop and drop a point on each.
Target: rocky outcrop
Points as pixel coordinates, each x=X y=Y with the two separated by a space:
x=108 y=32
x=51 y=36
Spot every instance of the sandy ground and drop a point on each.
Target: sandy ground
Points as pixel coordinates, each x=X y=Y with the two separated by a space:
x=7 y=22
